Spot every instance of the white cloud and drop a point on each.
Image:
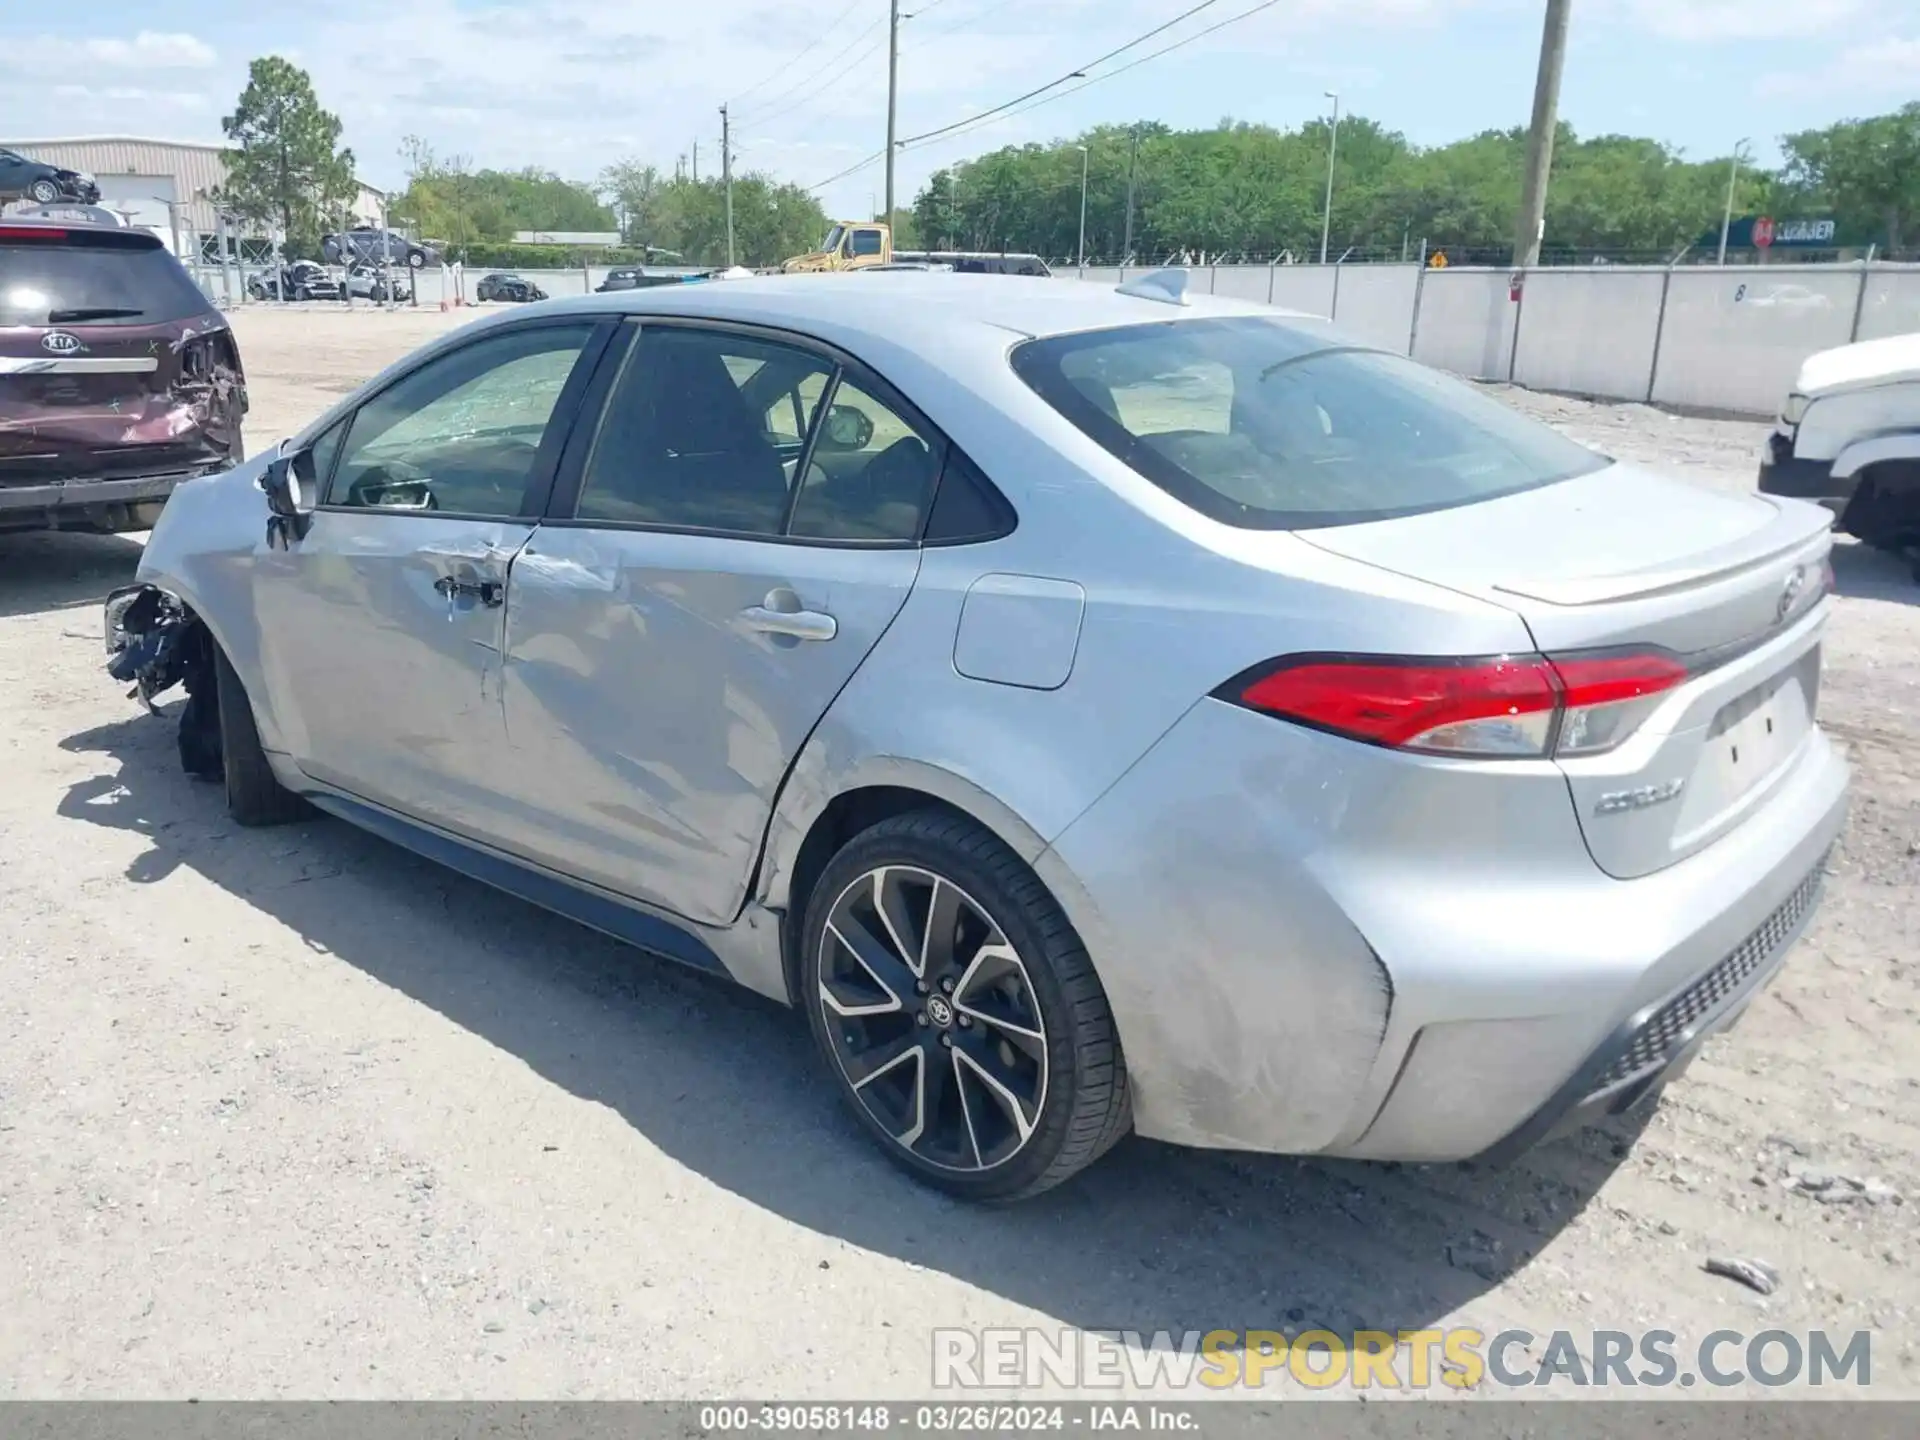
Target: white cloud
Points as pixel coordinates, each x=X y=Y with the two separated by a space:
x=1719 y=20
x=149 y=50
x=1883 y=67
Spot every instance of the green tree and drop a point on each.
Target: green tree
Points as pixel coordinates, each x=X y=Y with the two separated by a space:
x=1867 y=172
x=771 y=219
x=288 y=167
x=448 y=200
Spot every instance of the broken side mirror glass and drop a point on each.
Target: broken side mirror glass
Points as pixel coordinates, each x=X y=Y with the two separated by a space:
x=289 y=485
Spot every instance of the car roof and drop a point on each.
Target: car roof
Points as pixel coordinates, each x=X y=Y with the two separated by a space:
x=916 y=304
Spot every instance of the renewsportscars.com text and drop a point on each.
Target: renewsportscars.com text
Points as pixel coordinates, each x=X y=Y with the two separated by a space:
x=1461 y=1358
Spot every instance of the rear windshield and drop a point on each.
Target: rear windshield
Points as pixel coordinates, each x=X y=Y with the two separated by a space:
x=1261 y=424
x=48 y=283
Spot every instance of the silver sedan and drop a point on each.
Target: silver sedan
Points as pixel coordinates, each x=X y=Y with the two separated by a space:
x=1096 y=711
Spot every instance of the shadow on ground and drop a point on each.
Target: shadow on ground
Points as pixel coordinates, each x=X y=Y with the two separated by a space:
x=62 y=569
x=1861 y=572
x=1152 y=1238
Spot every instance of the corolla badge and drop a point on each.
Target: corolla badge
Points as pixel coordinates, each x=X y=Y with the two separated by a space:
x=1790 y=593
x=59 y=342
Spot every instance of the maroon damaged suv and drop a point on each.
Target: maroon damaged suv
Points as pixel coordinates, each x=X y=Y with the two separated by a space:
x=118 y=378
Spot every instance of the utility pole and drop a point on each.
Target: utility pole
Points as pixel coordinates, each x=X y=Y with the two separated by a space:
x=1726 y=220
x=1133 y=160
x=1546 y=116
x=1333 y=140
x=726 y=176
x=893 y=92
x=696 y=162
x=1081 y=260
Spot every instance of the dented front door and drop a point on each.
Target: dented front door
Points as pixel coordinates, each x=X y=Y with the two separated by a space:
x=381 y=637
x=382 y=625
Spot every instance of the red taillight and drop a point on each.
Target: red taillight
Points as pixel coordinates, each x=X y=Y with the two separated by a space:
x=31 y=232
x=1505 y=705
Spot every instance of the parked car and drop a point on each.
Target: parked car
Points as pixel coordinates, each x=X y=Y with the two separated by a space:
x=365 y=243
x=507 y=287
x=635 y=278
x=44 y=184
x=297 y=280
x=118 y=378
x=379 y=285
x=1094 y=709
x=1849 y=437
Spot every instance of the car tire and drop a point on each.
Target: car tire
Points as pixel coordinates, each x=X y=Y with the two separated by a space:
x=43 y=191
x=1006 y=1015
x=416 y=259
x=254 y=796
x=300 y=292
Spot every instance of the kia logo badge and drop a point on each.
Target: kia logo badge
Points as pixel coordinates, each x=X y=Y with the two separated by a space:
x=59 y=342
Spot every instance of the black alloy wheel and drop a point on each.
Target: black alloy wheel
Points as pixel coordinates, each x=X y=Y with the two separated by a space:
x=959 y=1010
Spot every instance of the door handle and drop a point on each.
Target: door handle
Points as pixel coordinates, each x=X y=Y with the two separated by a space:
x=800 y=624
x=487 y=592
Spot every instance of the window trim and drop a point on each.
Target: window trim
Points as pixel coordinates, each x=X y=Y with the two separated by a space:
x=560 y=424
x=564 y=498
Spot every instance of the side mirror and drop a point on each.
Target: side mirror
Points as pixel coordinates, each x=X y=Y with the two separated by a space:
x=847 y=428
x=288 y=483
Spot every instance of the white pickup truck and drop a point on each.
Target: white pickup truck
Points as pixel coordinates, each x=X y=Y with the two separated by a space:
x=1849 y=437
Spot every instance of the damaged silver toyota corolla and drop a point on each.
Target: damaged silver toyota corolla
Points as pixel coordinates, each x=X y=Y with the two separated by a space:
x=1096 y=711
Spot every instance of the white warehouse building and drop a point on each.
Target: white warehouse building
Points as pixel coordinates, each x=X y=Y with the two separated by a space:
x=160 y=184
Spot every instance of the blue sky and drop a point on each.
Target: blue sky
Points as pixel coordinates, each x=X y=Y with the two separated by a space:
x=575 y=84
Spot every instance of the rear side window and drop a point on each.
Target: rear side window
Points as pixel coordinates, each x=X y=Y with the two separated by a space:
x=47 y=282
x=1259 y=424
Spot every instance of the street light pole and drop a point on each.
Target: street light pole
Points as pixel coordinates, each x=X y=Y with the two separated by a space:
x=1333 y=141
x=1082 y=261
x=1726 y=220
x=726 y=176
x=1133 y=161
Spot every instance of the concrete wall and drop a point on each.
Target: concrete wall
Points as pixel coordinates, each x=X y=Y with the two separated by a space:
x=1561 y=311
x=1733 y=339
x=1466 y=323
x=1374 y=304
x=1699 y=337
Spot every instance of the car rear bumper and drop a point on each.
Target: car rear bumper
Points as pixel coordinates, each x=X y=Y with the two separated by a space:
x=56 y=496
x=1310 y=950
x=1784 y=473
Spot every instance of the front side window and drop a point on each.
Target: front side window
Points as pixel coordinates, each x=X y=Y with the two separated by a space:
x=866 y=242
x=462 y=433
x=1260 y=424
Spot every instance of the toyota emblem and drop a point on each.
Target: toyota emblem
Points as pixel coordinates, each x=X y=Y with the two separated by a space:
x=1790 y=593
x=59 y=342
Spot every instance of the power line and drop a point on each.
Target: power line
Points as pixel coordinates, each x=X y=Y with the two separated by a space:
x=961 y=24
x=810 y=47
x=776 y=98
x=977 y=121
x=1074 y=74
x=872 y=159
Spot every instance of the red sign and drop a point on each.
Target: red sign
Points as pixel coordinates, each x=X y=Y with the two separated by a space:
x=1763 y=232
x=1514 y=282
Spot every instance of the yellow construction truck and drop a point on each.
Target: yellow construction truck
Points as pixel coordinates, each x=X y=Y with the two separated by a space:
x=868 y=245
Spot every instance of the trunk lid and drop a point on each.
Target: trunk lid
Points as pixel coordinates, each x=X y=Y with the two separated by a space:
x=1626 y=559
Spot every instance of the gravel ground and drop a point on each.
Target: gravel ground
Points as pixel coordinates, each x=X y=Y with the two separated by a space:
x=295 y=1114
